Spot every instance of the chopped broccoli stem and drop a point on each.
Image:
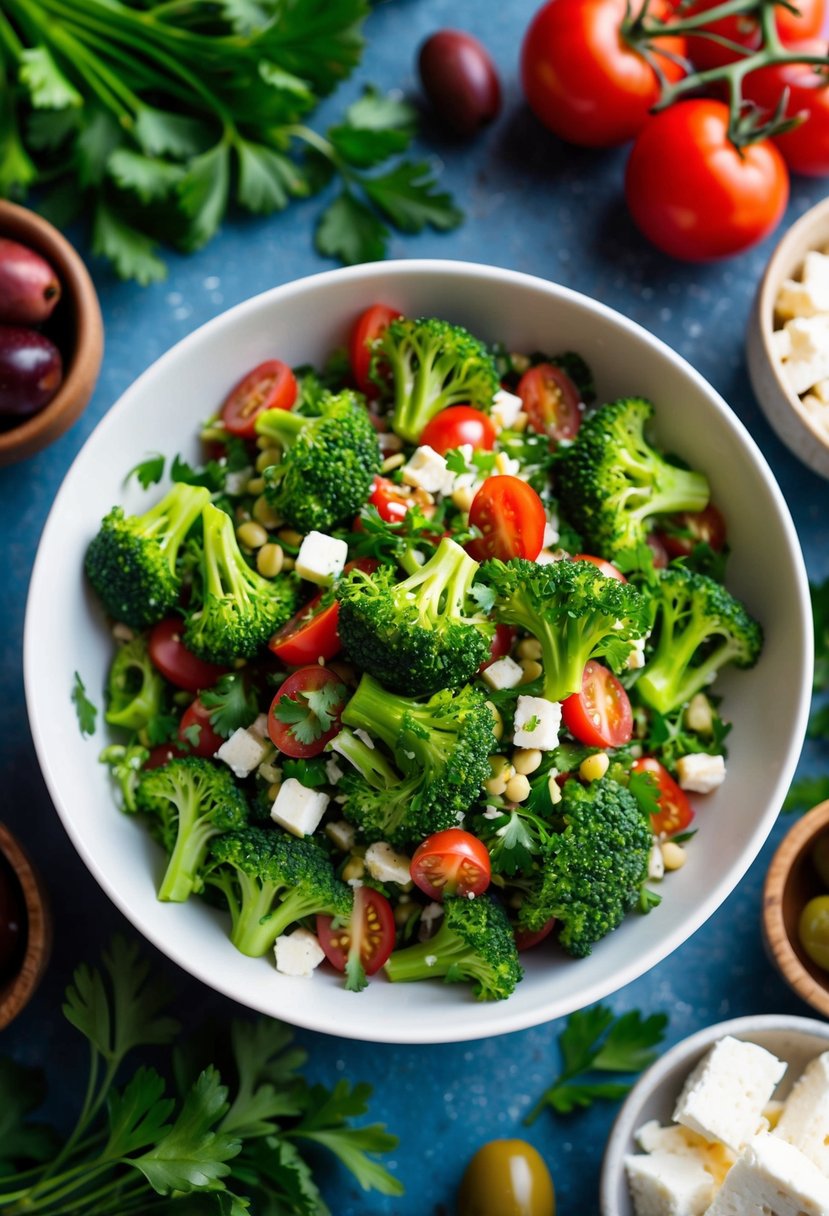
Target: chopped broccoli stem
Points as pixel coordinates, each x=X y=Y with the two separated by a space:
x=135 y=688
x=370 y=762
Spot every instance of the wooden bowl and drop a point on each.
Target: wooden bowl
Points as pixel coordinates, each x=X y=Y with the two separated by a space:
x=18 y=990
x=790 y=883
x=77 y=328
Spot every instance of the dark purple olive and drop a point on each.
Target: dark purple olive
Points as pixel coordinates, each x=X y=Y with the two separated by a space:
x=29 y=287
x=460 y=80
x=12 y=921
x=31 y=370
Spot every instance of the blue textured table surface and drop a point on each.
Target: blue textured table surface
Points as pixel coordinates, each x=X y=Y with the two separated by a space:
x=535 y=205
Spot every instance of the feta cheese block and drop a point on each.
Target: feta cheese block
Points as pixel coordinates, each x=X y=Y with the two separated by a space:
x=505 y=408
x=804 y=1121
x=664 y=1184
x=426 y=470
x=716 y=1158
x=387 y=865
x=297 y=808
x=244 y=751
x=700 y=773
x=772 y=1178
x=537 y=723
x=298 y=953
x=725 y=1095
x=503 y=673
x=321 y=558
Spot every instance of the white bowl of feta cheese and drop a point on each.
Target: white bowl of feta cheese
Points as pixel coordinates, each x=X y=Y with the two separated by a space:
x=733 y=1120
x=788 y=339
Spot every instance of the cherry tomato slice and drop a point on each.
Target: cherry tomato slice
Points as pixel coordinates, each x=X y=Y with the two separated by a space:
x=675 y=810
x=599 y=715
x=175 y=662
x=370 y=932
x=693 y=528
x=368 y=327
x=511 y=519
x=502 y=641
x=270 y=386
x=163 y=753
x=203 y=741
x=458 y=425
x=320 y=697
x=606 y=568
x=390 y=503
x=311 y=634
x=453 y=862
x=525 y=939
x=551 y=402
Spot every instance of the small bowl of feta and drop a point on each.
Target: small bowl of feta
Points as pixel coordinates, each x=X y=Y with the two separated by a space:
x=734 y=1119
x=788 y=339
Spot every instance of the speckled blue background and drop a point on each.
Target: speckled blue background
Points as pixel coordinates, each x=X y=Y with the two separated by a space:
x=535 y=205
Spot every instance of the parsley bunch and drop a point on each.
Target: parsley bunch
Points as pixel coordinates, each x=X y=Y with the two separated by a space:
x=150 y=117
x=224 y=1144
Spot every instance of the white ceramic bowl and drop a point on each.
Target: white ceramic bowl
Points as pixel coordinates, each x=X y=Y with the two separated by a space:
x=300 y=323
x=795 y=1040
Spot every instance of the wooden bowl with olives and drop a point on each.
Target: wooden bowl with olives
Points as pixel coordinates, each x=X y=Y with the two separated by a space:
x=796 y=908
x=25 y=927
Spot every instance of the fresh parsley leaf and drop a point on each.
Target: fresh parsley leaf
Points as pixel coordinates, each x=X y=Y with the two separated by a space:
x=266 y=1085
x=231 y=702
x=85 y=710
x=325 y=1121
x=307 y=772
x=147 y=472
x=131 y=252
x=48 y=88
x=350 y=231
x=149 y=178
x=203 y=193
x=267 y=179
x=22 y=1090
x=376 y=128
x=645 y=789
x=310 y=713
x=355 y=975
x=192 y=734
x=483 y=596
x=531 y=724
x=211 y=475
x=138 y=1115
x=408 y=196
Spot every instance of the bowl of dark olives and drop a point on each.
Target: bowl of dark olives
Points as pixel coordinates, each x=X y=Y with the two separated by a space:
x=51 y=333
x=25 y=927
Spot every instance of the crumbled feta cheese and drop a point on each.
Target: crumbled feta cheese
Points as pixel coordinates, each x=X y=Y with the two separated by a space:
x=699 y=716
x=551 y=534
x=815 y=272
x=773 y=1177
x=341 y=834
x=801 y=299
x=321 y=558
x=536 y=723
x=801 y=374
x=430 y=960
x=636 y=658
x=244 y=751
x=805 y=1118
x=503 y=673
x=333 y=771
x=299 y=809
x=724 y=1096
x=662 y=1184
x=821 y=391
x=298 y=953
x=505 y=409
x=656 y=866
x=426 y=470
x=682 y=1142
x=387 y=865
x=781 y=343
x=700 y=773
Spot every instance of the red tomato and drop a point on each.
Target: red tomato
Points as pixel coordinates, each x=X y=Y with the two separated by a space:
x=805 y=148
x=657 y=548
x=320 y=696
x=163 y=753
x=694 y=528
x=675 y=810
x=178 y=664
x=369 y=326
x=502 y=641
x=582 y=78
x=390 y=503
x=511 y=518
x=204 y=741
x=599 y=715
x=606 y=568
x=311 y=634
x=457 y=425
x=551 y=402
x=453 y=862
x=369 y=934
x=270 y=386
x=525 y=939
x=744 y=29
x=696 y=196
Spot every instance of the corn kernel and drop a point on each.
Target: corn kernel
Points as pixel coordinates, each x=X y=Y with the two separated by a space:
x=553 y=788
x=497 y=720
x=255 y=485
x=673 y=855
x=529 y=648
x=251 y=535
x=462 y=497
x=532 y=670
x=355 y=867
x=264 y=514
x=526 y=760
x=266 y=458
x=518 y=788
x=270 y=560
x=594 y=767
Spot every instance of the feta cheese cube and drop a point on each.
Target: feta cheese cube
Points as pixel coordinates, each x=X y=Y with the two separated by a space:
x=341 y=834
x=536 y=723
x=805 y=1118
x=503 y=673
x=656 y=866
x=700 y=773
x=699 y=716
x=802 y=374
x=781 y=343
x=772 y=1178
x=321 y=558
x=297 y=808
x=801 y=299
x=298 y=953
x=387 y=865
x=821 y=391
x=426 y=470
x=809 y=336
x=724 y=1097
x=636 y=658
x=244 y=751
x=663 y=1184
x=815 y=273
x=332 y=770
x=505 y=409
x=716 y=1158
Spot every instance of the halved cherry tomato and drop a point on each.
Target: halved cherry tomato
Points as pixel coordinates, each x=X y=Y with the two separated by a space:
x=525 y=939
x=675 y=810
x=453 y=862
x=369 y=326
x=511 y=519
x=693 y=528
x=607 y=568
x=369 y=933
x=502 y=641
x=390 y=503
x=204 y=741
x=175 y=662
x=163 y=753
x=270 y=386
x=599 y=715
x=660 y=553
x=551 y=402
x=458 y=425
x=320 y=697
x=311 y=634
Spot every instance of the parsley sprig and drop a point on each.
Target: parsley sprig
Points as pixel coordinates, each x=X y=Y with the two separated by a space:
x=310 y=712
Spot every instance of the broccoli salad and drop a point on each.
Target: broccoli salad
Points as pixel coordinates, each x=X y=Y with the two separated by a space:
x=414 y=670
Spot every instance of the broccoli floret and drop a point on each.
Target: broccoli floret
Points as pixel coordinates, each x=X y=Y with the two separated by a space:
x=125 y=765
x=328 y=461
x=441 y=746
x=270 y=880
x=610 y=481
x=434 y=365
x=597 y=863
x=701 y=628
x=377 y=799
x=417 y=636
x=474 y=943
x=193 y=800
x=131 y=562
x=135 y=688
x=238 y=609
x=574 y=611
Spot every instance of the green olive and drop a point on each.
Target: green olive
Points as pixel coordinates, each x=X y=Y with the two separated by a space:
x=813 y=930
x=506 y=1178
x=820 y=859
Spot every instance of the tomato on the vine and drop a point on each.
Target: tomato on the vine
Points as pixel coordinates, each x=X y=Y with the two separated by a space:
x=452 y=862
x=584 y=80
x=270 y=386
x=693 y=193
x=675 y=810
x=600 y=715
x=311 y=634
x=511 y=519
x=744 y=30
x=805 y=148
x=367 y=939
x=305 y=713
x=175 y=662
x=552 y=402
x=369 y=326
x=196 y=731
x=457 y=425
